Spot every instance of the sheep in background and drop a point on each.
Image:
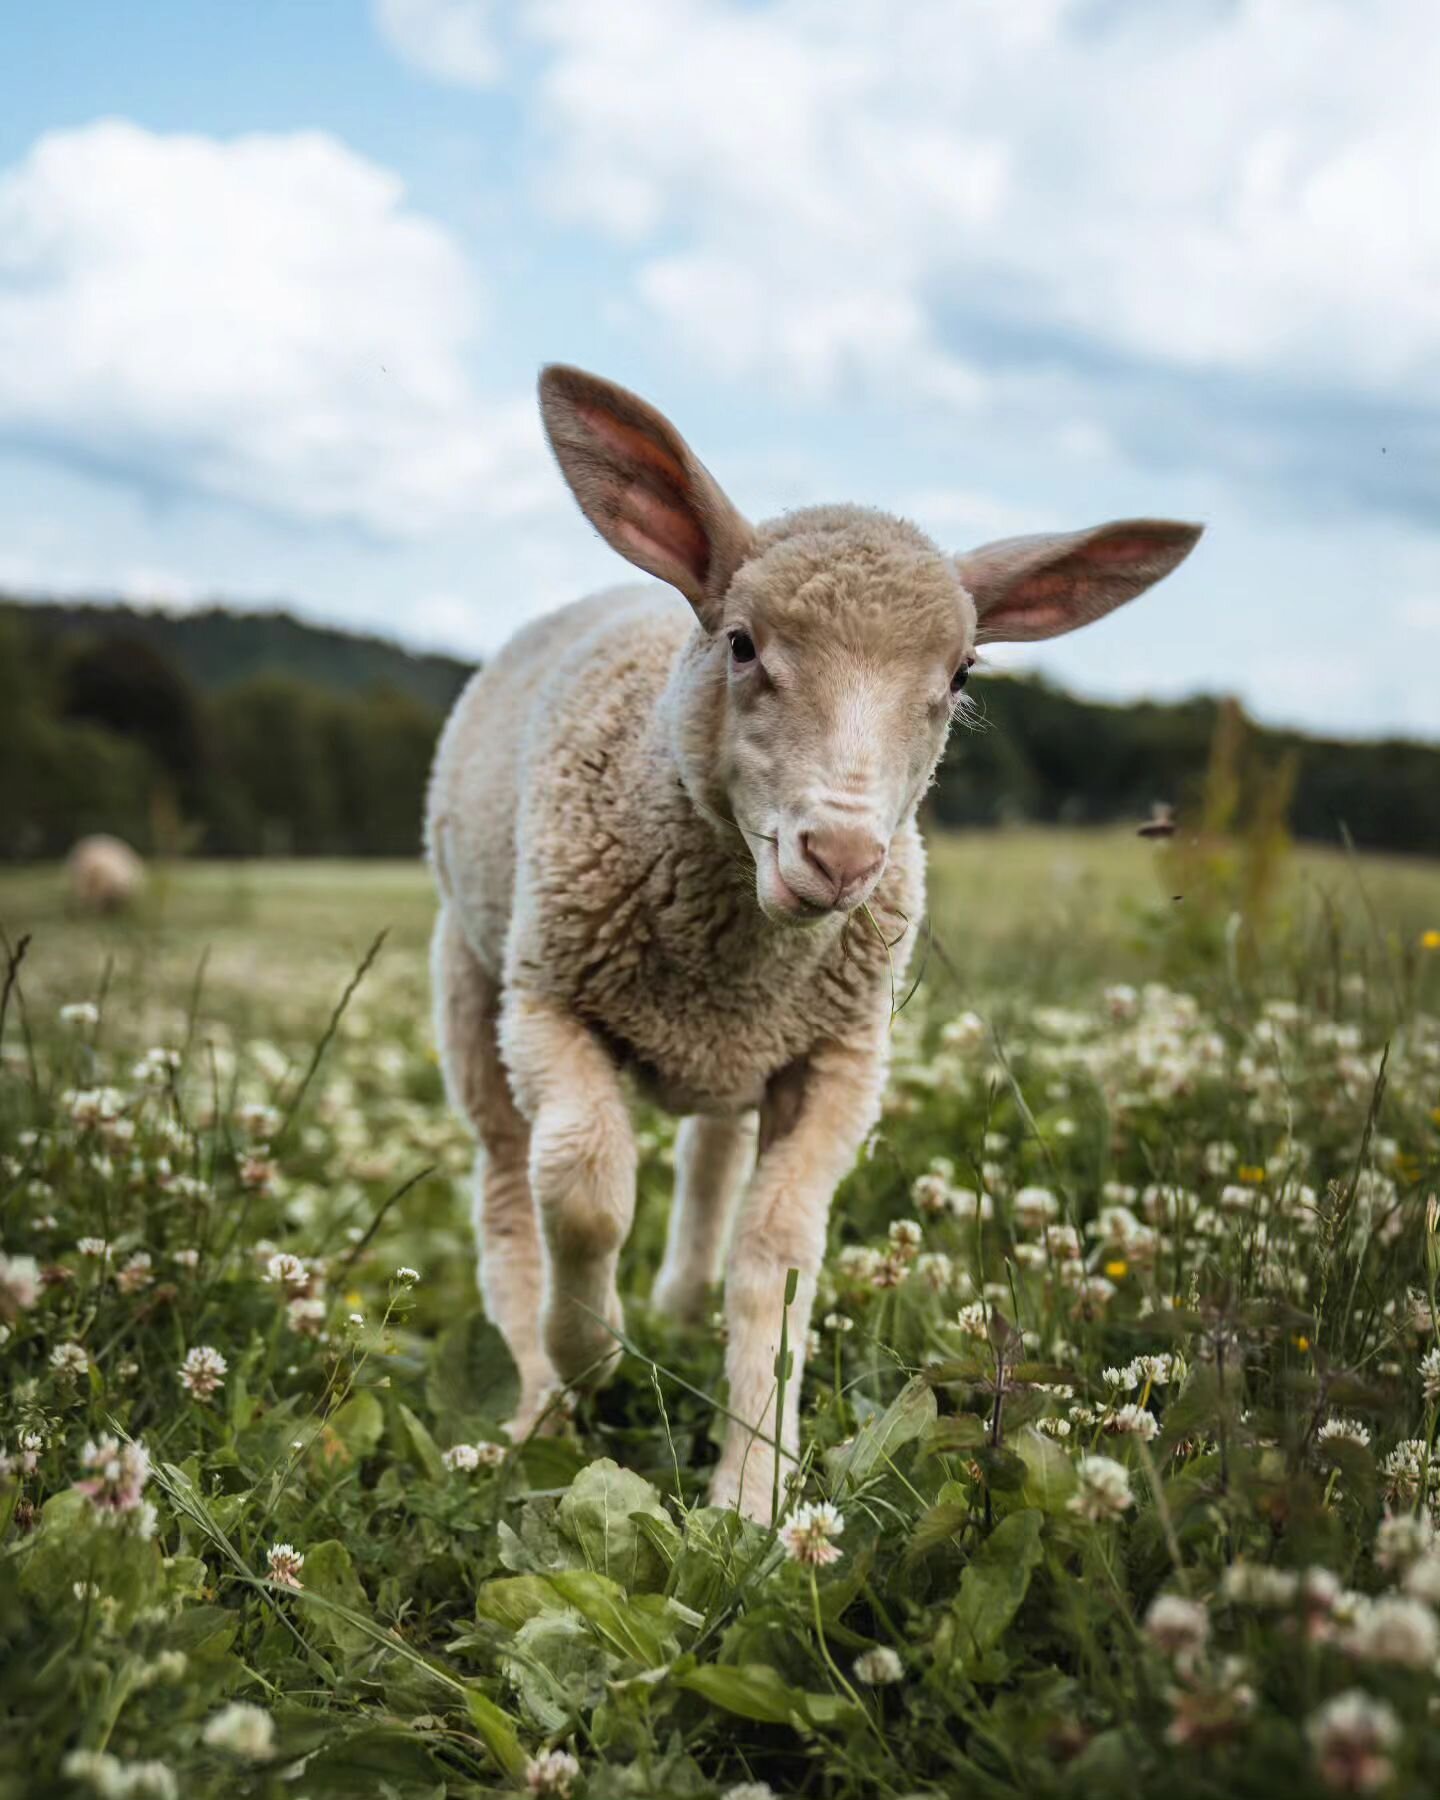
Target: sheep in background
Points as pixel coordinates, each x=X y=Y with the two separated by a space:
x=105 y=875
x=653 y=831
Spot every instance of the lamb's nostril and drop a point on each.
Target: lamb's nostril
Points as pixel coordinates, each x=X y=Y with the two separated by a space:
x=847 y=856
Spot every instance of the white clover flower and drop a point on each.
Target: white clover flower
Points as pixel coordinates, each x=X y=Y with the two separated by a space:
x=838 y=1321
x=156 y=1068
x=94 y=1247
x=1396 y=1628
x=1404 y=1469
x=1349 y=1431
x=1422 y=1578
x=70 y=1361
x=137 y=1273
x=466 y=1458
x=974 y=1319
x=1133 y=1421
x=202 y=1372
x=19 y=1284
x=1102 y=1491
x=287 y=1270
x=80 y=1015
x=931 y=1193
x=808 y=1534
x=258 y=1122
x=906 y=1238
x=1124 y=1378
x=879 y=1667
x=1157 y=1370
x=1257 y=1584
x=935 y=1270
x=1351 y=1737
x=284 y=1563
x=552 y=1772
x=1178 y=1626
x=118 y=1473
x=245 y=1731
x=1035 y=1207
x=185 y=1259
x=1430 y=1375
x=407 y=1275
x=113 y=1779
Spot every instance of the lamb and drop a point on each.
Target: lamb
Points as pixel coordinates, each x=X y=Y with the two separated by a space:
x=676 y=851
x=104 y=873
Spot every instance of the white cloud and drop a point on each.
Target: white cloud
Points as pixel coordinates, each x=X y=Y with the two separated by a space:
x=453 y=40
x=261 y=320
x=825 y=186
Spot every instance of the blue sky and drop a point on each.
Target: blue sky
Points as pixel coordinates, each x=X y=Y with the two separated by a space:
x=275 y=280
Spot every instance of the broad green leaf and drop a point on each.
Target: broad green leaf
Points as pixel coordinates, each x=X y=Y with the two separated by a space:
x=758 y=1691
x=938 y=1525
x=329 y=1575
x=956 y=1432
x=472 y=1385
x=427 y=1451
x=1049 y=1473
x=558 y=1669
x=359 y=1423
x=512 y=1600
x=607 y=1607
x=875 y=1444
x=595 y=1516
x=996 y=1581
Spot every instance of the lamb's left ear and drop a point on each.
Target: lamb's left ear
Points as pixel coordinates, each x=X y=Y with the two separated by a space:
x=1039 y=587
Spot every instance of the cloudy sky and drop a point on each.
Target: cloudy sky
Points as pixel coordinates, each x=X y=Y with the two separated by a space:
x=275 y=280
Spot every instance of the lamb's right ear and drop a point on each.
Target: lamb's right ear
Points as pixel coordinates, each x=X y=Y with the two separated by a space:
x=643 y=488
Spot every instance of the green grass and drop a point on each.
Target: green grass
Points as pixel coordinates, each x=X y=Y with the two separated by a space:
x=1125 y=1125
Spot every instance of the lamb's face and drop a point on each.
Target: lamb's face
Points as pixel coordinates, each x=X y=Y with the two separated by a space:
x=846 y=640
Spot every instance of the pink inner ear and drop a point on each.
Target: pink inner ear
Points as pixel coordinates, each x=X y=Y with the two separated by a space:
x=630 y=442
x=1121 y=550
x=651 y=525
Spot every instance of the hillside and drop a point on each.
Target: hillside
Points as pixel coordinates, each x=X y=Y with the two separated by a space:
x=216 y=647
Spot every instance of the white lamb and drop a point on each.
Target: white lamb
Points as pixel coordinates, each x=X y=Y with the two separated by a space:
x=104 y=873
x=652 y=828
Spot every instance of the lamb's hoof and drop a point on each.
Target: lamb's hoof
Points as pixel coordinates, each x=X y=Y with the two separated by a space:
x=544 y=1413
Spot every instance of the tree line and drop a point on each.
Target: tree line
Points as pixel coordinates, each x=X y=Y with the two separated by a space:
x=110 y=721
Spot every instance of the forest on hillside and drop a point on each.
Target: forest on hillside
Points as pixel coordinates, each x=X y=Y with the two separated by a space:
x=232 y=734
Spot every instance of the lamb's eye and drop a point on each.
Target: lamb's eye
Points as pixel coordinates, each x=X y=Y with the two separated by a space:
x=959 y=678
x=742 y=646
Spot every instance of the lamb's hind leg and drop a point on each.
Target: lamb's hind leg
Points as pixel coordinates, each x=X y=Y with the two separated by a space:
x=714 y=1157
x=511 y=1269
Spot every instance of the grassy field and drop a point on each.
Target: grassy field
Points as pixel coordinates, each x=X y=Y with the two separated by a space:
x=1123 y=1385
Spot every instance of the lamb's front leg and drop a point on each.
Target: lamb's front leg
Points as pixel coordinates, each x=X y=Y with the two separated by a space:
x=815 y=1118
x=582 y=1175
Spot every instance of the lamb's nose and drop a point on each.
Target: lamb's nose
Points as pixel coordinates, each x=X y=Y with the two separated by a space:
x=846 y=855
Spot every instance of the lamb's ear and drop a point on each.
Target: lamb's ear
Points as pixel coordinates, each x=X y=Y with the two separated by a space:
x=1039 y=587
x=642 y=487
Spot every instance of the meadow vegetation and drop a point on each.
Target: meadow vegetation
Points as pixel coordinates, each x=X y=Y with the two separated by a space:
x=1119 y=1410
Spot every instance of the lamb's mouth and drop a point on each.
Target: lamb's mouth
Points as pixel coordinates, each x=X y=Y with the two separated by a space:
x=778 y=900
